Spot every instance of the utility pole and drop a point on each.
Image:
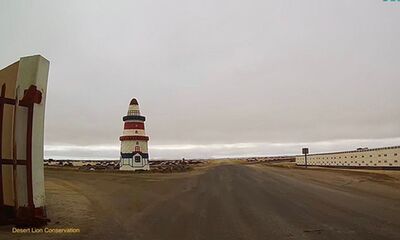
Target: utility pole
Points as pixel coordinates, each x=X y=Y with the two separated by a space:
x=305 y=152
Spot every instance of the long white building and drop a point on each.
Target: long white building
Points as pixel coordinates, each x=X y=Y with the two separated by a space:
x=387 y=157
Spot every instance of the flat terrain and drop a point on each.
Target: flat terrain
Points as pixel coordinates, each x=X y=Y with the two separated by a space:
x=226 y=201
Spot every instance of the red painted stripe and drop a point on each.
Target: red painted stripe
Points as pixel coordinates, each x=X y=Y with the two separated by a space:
x=134 y=125
x=126 y=138
x=11 y=162
x=2 y=95
x=5 y=100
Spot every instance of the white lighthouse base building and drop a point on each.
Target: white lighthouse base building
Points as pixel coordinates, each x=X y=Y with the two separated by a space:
x=136 y=162
x=134 y=167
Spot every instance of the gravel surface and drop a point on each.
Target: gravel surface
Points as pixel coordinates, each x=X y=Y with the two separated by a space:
x=227 y=201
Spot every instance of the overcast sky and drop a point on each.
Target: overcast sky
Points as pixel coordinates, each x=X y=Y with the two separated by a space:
x=214 y=78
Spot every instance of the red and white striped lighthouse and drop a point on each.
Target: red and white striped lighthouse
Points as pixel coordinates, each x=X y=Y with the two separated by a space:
x=134 y=142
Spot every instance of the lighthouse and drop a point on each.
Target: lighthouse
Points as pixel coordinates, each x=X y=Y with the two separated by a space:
x=134 y=142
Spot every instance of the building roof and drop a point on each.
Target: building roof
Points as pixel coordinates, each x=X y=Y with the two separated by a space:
x=134 y=102
x=361 y=150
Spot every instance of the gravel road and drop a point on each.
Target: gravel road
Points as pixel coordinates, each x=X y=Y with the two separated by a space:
x=230 y=201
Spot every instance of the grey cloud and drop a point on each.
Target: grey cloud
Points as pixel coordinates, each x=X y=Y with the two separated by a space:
x=212 y=72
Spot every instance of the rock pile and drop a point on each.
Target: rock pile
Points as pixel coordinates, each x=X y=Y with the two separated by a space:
x=169 y=166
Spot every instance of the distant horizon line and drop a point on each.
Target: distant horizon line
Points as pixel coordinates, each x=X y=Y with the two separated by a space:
x=216 y=151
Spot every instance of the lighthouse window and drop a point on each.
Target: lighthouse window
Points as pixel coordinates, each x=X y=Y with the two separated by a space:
x=133 y=112
x=137 y=159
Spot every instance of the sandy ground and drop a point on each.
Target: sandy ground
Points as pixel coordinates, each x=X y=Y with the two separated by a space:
x=223 y=201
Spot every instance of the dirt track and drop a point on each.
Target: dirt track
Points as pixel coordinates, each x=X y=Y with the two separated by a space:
x=224 y=202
